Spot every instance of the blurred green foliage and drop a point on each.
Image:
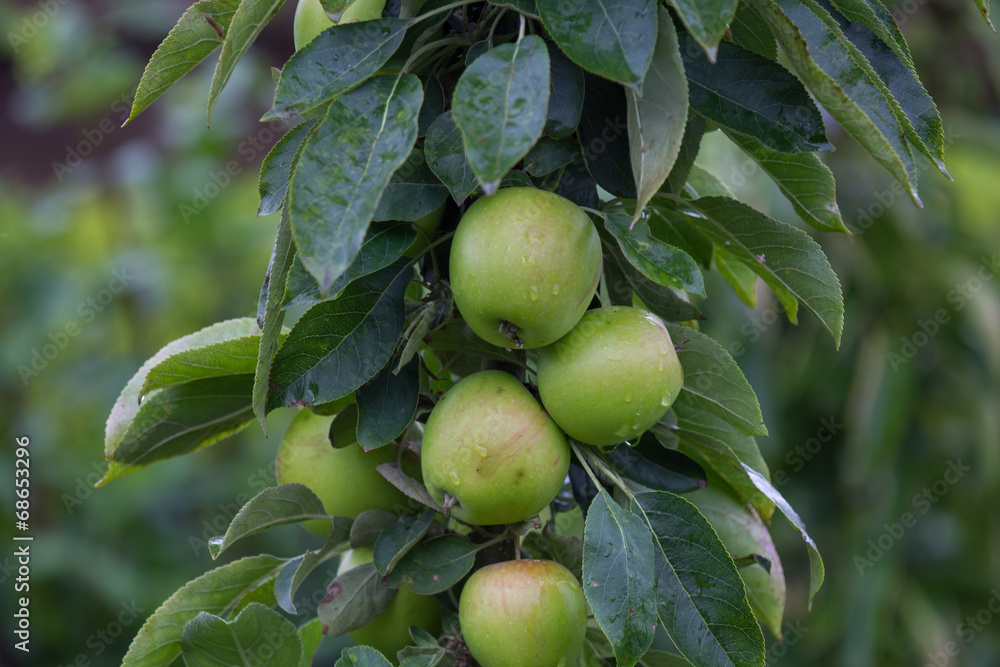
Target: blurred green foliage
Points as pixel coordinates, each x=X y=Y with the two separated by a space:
x=913 y=392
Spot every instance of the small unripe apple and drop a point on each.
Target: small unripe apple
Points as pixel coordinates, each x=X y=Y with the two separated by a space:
x=427 y=227
x=523 y=612
x=524 y=266
x=390 y=632
x=343 y=477
x=612 y=377
x=311 y=19
x=490 y=445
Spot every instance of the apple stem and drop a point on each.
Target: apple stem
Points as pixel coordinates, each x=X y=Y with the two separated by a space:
x=449 y=502
x=510 y=331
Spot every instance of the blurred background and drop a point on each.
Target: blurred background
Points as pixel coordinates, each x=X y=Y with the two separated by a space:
x=114 y=241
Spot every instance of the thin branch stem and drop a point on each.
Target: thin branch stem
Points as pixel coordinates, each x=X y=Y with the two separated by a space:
x=416 y=55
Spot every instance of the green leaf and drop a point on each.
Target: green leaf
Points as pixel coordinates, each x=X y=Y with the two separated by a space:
x=337 y=346
x=577 y=185
x=433 y=105
x=275 y=171
x=690 y=146
x=272 y=317
x=549 y=154
x=435 y=565
x=623 y=280
x=715 y=455
x=702 y=602
x=426 y=656
x=413 y=191
x=613 y=40
x=500 y=105
x=739 y=276
x=707 y=21
x=816 y=568
x=199 y=32
x=275 y=506
x=656 y=467
x=410 y=487
x=656 y=120
x=245 y=24
x=744 y=533
x=675 y=229
x=124 y=411
x=334 y=8
x=703 y=183
x=311 y=636
x=713 y=381
x=345 y=165
x=804 y=180
x=604 y=137
x=353 y=600
x=397 y=541
x=362 y=656
x=369 y=525
x=751 y=32
x=618 y=577
x=387 y=404
x=295 y=571
x=235 y=356
x=430 y=313
x=984 y=9
x=825 y=65
x=182 y=419
x=875 y=17
x=563 y=549
x=385 y=242
x=257 y=637
x=891 y=62
x=338 y=60
x=218 y=592
x=661 y=263
x=753 y=95
x=785 y=257
x=565 y=94
x=663 y=659
x=446 y=157
x=693 y=416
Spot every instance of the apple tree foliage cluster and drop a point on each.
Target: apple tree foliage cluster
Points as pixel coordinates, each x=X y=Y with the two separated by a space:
x=434 y=105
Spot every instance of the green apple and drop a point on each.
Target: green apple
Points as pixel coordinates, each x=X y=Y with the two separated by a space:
x=612 y=377
x=311 y=19
x=390 y=632
x=335 y=467
x=427 y=227
x=524 y=266
x=490 y=445
x=523 y=612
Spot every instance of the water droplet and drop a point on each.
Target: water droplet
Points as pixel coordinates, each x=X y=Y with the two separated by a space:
x=534 y=293
x=628 y=397
x=555 y=289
